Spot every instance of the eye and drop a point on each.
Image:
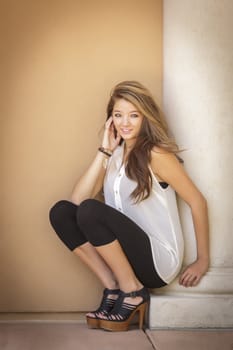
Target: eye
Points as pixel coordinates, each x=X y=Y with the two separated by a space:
x=117 y=115
x=134 y=115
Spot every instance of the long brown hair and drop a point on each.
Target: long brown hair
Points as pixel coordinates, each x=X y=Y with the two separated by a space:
x=154 y=132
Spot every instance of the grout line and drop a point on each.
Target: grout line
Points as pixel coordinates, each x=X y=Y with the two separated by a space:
x=149 y=338
x=41 y=321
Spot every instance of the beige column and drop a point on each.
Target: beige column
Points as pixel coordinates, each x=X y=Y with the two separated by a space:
x=198 y=100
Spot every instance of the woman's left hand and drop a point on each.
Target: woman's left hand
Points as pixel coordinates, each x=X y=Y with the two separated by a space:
x=191 y=276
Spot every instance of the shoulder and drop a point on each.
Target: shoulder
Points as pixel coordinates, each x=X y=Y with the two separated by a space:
x=159 y=154
x=163 y=162
x=166 y=166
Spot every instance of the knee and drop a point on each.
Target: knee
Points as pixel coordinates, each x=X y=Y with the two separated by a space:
x=60 y=211
x=87 y=212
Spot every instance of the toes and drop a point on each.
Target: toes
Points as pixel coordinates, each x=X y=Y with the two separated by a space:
x=103 y=317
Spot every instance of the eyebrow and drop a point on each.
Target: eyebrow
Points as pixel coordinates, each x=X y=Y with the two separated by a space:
x=116 y=110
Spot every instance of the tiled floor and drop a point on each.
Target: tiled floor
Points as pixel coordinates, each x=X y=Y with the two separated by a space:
x=74 y=335
x=69 y=336
x=192 y=339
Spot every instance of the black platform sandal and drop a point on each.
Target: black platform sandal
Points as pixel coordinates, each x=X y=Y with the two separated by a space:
x=121 y=315
x=105 y=307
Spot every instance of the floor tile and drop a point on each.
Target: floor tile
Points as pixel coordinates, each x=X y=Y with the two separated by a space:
x=191 y=339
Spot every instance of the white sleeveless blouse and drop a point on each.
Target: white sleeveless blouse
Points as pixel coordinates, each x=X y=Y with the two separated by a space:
x=157 y=215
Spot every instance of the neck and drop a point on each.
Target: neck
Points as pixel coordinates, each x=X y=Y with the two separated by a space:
x=129 y=145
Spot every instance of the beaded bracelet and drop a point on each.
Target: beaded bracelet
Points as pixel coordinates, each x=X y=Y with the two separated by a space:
x=106 y=152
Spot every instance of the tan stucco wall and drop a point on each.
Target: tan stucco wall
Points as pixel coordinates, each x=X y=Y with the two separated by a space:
x=61 y=60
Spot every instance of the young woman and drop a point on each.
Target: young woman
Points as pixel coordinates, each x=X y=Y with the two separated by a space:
x=134 y=240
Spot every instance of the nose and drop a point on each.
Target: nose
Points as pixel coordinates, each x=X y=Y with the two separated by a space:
x=125 y=120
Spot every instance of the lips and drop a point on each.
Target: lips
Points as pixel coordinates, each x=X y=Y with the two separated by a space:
x=126 y=131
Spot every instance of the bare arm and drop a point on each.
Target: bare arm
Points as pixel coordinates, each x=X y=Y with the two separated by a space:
x=169 y=169
x=91 y=182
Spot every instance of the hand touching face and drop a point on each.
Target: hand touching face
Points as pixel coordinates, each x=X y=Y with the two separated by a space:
x=111 y=138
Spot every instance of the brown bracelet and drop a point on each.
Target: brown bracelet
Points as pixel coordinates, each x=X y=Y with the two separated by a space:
x=103 y=150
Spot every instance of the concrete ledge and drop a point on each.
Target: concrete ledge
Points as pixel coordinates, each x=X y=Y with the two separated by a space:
x=208 y=305
x=204 y=311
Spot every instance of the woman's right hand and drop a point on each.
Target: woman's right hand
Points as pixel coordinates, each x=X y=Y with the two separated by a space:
x=110 y=142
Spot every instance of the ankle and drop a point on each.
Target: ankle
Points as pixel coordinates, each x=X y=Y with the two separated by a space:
x=112 y=285
x=131 y=287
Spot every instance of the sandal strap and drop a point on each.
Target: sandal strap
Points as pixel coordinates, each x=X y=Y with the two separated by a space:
x=107 y=292
x=123 y=313
x=137 y=293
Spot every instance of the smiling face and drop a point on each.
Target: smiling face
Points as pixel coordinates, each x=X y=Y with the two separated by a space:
x=127 y=120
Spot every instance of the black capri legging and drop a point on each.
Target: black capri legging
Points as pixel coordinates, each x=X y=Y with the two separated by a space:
x=95 y=222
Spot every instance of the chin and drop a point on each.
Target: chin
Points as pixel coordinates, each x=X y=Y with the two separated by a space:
x=128 y=137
